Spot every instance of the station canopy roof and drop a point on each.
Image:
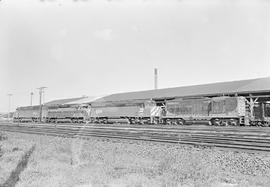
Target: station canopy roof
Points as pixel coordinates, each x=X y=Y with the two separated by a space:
x=63 y=101
x=259 y=85
x=73 y=101
x=84 y=100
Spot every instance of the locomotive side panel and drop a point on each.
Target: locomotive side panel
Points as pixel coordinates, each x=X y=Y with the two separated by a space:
x=217 y=111
x=228 y=107
x=68 y=114
x=30 y=114
x=131 y=112
x=188 y=109
x=117 y=112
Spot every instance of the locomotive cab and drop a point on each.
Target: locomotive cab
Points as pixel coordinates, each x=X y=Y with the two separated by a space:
x=261 y=113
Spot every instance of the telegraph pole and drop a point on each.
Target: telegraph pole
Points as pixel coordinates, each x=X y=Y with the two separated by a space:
x=31 y=102
x=43 y=96
x=9 y=105
x=41 y=91
x=156 y=78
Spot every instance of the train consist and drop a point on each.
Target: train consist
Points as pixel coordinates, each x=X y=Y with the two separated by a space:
x=51 y=114
x=218 y=111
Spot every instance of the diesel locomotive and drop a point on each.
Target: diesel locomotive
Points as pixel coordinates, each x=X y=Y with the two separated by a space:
x=132 y=112
x=51 y=114
x=218 y=111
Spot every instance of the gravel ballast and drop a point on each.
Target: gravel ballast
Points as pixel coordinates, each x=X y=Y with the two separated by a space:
x=109 y=162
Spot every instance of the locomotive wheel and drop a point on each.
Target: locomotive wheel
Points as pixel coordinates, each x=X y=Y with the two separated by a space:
x=233 y=122
x=217 y=122
x=155 y=121
x=224 y=123
x=129 y=121
x=174 y=122
x=265 y=124
x=141 y=121
x=163 y=122
x=181 y=122
x=168 y=122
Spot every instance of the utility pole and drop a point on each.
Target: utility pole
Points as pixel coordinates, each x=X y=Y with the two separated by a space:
x=31 y=102
x=9 y=105
x=156 y=78
x=41 y=91
x=43 y=98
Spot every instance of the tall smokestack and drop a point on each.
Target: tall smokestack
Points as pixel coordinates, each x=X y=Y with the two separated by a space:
x=156 y=78
x=31 y=99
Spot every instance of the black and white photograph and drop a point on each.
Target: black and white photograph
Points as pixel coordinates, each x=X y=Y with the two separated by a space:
x=134 y=93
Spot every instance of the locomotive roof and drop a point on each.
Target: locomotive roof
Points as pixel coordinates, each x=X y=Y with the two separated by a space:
x=101 y=102
x=35 y=107
x=259 y=85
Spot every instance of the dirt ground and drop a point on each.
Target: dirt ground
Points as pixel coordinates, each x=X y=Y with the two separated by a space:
x=108 y=162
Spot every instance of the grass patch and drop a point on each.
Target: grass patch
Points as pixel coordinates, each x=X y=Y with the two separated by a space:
x=12 y=150
x=14 y=176
x=98 y=162
x=3 y=136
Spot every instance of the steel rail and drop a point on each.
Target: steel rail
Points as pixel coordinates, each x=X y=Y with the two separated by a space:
x=253 y=140
x=174 y=133
x=194 y=142
x=161 y=127
x=216 y=141
x=264 y=136
x=262 y=132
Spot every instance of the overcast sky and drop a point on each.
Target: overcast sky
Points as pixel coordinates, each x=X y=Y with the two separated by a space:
x=99 y=47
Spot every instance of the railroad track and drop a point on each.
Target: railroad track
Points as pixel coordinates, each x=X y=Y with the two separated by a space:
x=233 y=138
x=162 y=127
